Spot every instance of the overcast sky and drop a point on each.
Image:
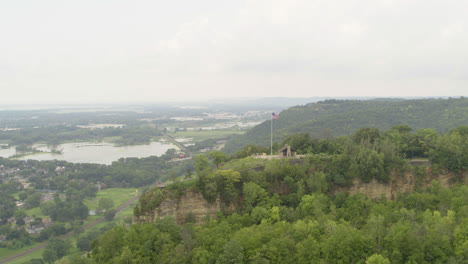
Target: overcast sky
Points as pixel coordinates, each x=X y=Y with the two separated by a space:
x=152 y=50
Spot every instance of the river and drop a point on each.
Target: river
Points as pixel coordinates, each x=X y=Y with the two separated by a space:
x=90 y=152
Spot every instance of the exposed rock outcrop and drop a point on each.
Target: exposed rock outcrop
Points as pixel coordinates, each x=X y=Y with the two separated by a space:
x=407 y=182
x=189 y=206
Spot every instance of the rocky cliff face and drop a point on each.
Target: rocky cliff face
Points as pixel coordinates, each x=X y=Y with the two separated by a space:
x=407 y=182
x=190 y=206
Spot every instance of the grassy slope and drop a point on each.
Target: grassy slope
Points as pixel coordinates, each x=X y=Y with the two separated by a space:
x=118 y=195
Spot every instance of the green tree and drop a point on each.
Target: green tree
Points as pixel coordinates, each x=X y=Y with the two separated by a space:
x=301 y=142
x=461 y=240
x=308 y=251
x=232 y=254
x=90 y=191
x=345 y=244
x=368 y=164
x=423 y=141
x=377 y=259
x=253 y=195
x=366 y=135
x=313 y=205
x=203 y=170
x=7 y=206
x=49 y=255
x=20 y=215
x=105 y=204
x=376 y=230
x=201 y=165
x=109 y=214
x=218 y=157
x=451 y=151
x=55 y=249
x=23 y=195
x=109 y=245
x=317 y=182
x=83 y=243
x=229 y=179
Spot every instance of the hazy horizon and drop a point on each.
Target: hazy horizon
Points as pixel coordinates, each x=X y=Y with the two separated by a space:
x=199 y=101
x=145 y=51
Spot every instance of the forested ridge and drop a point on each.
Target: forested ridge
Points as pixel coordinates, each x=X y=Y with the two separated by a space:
x=423 y=227
x=330 y=118
x=287 y=214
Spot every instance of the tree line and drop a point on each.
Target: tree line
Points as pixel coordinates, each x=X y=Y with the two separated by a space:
x=333 y=118
x=57 y=134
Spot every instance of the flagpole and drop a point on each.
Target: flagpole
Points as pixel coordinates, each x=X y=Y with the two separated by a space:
x=271 y=138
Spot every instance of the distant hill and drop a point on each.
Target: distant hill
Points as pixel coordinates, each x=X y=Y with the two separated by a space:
x=332 y=118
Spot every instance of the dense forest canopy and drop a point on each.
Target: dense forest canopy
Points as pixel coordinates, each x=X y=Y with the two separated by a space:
x=332 y=118
x=422 y=227
x=286 y=212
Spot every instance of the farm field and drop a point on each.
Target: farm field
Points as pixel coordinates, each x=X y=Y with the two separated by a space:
x=205 y=134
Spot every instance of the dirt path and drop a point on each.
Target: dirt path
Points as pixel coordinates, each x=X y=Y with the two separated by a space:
x=67 y=235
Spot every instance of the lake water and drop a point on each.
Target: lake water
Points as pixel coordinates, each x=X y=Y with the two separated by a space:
x=89 y=152
x=5 y=153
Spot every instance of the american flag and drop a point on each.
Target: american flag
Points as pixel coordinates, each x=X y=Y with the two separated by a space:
x=274 y=116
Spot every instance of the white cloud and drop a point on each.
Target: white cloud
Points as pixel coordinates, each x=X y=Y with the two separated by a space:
x=452 y=31
x=205 y=48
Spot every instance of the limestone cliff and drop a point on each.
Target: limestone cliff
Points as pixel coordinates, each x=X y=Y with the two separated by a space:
x=190 y=205
x=408 y=182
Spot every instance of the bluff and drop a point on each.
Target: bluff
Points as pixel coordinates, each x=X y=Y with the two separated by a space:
x=187 y=206
x=190 y=205
x=408 y=182
x=332 y=118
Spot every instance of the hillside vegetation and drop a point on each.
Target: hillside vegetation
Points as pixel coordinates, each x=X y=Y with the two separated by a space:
x=332 y=118
x=285 y=212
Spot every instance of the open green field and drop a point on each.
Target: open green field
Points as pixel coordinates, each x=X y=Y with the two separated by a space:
x=206 y=134
x=37 y=254
x=5 y=252
x=35 y=212
x=118 y=195
x=127 y=212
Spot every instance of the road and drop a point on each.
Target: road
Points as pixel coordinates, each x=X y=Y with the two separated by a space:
x=178 y=144
x=67 y=235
